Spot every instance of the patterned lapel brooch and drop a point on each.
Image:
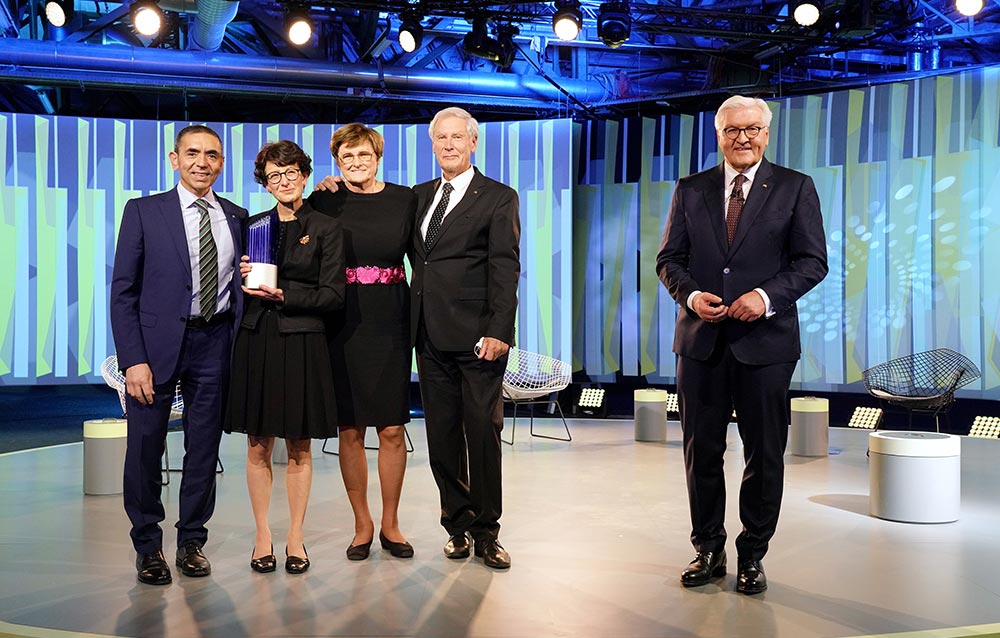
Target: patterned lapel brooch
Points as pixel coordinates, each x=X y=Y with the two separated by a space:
x=304 y=240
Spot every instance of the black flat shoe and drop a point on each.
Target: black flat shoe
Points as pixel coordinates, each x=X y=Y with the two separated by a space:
x=192 y=560
x=750 y=579
x=359 y=552
x=296 y=565
x=264 y=564
x=152 y=568
x=704 y=567
x=399 y=550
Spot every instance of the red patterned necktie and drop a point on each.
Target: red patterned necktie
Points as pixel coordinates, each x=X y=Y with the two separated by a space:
x=735 y=206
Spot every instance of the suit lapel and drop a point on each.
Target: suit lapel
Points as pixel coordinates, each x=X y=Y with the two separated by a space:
x=715 y=204
x=425 y=195
x=170 y=208
x=760 y=190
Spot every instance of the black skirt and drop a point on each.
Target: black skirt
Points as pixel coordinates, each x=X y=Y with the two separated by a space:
x=281 y=384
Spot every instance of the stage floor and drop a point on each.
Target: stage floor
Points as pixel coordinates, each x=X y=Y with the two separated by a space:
x=597 y=530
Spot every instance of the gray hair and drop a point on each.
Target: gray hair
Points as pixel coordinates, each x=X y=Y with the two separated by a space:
x=742 y=102
x=471 y=125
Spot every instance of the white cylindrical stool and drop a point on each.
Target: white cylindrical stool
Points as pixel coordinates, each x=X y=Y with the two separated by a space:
x=650 y=408
x=104 y=455
x=809 y=433
x=915 y=477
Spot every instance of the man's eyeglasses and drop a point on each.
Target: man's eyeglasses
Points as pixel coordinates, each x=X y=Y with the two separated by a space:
x=733 y=132
x=291 y=173
x=363 y=157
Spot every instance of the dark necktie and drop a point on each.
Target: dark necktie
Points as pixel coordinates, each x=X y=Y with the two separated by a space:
x=208 y=262
x=735 y=206
x=435 y=225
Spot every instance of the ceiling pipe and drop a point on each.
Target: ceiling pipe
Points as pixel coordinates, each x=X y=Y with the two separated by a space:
x=210 y=24
x=141 y=68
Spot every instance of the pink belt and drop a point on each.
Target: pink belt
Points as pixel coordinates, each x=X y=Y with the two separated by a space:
x=376 y=275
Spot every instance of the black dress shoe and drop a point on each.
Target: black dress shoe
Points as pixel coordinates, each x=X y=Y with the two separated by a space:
x=704 y=567
x=493 y=553
x=359 y=552
x=152 y=568
x=192 y=560
x=399 y=550
x=295 y=564
x=264 y=564
x=458 y=546
x=750 y=579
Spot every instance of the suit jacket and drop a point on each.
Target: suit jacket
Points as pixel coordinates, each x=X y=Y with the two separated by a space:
x=466 y=284
x=311 y=276
x=151 y=283
x=779 y=246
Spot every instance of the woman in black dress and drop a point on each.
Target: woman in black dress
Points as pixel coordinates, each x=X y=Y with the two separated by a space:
x=370 y=338
x=282 y=382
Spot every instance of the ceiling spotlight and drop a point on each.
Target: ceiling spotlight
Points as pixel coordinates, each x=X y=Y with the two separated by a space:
x=298 y=26
x=969 y=7
x=479 y=44
x=614 y=23
x=567 y=20
x=59 y=12
x=147 y=17
x=806 y=13
x=505 y=38
x=411 y=33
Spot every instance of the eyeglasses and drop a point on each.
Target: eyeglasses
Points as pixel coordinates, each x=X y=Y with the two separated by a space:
x=363 y=158
x=291 y=173
x=733 y=132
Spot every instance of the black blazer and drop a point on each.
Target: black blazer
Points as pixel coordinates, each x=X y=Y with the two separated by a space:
x=466 y=284
x=779 y=247
x=312 y=276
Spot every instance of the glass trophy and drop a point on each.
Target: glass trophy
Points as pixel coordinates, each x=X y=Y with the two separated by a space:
x=261 y=235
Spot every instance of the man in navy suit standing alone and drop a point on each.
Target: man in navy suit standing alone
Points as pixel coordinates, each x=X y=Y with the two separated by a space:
x=175 y=306
x=743 y=241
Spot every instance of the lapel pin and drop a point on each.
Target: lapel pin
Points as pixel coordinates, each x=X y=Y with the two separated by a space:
x=763 y=185
x=304 y=240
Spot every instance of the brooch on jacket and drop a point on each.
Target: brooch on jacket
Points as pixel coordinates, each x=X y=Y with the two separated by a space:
x=304 y=240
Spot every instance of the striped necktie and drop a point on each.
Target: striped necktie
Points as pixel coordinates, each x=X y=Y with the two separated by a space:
x=208 y=263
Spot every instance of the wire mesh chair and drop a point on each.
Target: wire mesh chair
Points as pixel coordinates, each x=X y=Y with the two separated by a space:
x=923 y=382
x=532 y=379
x=116 y=381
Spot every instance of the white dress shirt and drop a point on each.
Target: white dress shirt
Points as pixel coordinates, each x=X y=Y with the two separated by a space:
x=223 y=242
x=460 y=184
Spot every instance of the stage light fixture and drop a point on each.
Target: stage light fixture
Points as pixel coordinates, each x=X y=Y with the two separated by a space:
x=147 y=17
x=806 y=13
x=59 y=12
x=411 y=32
x=591 y=402
x=567 y=20
x=614 y=23
x=479 y=44
x=505 y=38
x=985 y=427
x=672 y=406
x=865 y=418
x=969 y=8
x=298 y=26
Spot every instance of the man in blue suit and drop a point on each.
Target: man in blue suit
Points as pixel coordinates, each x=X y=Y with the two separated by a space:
x=175 y=306
x=743 y=241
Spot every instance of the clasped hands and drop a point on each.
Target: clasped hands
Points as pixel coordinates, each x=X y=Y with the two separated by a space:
x=266 y=293
x=748 y=307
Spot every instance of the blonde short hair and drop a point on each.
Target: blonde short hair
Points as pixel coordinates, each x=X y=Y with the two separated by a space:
x=356 y=134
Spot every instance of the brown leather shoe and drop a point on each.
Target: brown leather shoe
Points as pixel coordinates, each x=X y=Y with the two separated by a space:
x=492 y=553
x=152 y=568
x=458 y=546
x=704 y=567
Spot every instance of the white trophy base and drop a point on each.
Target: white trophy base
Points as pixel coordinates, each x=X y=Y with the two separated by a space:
x=262 y=274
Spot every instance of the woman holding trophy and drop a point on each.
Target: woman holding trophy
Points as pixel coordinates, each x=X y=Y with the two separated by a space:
x=282 y=381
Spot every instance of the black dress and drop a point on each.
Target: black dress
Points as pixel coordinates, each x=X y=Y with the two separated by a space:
x=282 y=383
x=370 y=338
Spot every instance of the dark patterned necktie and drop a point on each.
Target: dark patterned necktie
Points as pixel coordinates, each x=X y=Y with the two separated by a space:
x=208 y=262
x=437 y=216
x=735 y=206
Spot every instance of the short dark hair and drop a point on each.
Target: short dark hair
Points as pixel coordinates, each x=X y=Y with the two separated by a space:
x=283 y=153
x=190 y=130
